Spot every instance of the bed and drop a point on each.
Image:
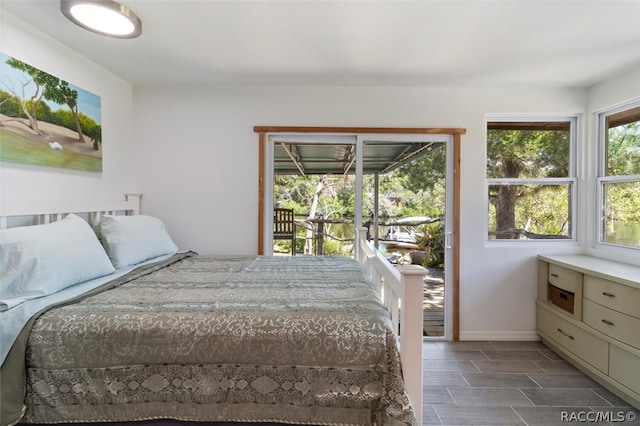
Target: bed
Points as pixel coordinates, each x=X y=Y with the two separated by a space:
x=146 y=332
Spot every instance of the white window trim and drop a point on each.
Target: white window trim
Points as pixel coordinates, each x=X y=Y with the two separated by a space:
x=609 y=249
x=571 y=180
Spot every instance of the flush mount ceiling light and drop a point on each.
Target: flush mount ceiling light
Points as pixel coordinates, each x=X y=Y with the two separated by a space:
x=104 y=17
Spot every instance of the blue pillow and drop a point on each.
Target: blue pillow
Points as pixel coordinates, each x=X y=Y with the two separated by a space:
x=39 y=260
x=129 y=240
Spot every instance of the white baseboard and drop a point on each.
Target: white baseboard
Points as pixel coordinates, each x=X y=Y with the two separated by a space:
x=511 y=336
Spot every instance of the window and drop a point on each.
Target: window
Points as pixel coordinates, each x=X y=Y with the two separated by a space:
x=531 y=180
x=619 y=177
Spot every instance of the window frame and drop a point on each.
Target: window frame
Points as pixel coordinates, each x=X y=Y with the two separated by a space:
x=571 y=180
x=602 y=179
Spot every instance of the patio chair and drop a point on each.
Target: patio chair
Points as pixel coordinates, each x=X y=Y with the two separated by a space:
x=284 y=227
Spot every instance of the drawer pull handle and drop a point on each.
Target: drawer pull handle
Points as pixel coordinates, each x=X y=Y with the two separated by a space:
x=606 y=293
x=606 y=321
x=554 y=275
x=569 y=336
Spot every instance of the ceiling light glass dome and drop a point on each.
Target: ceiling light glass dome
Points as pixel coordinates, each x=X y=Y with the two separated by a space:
x=104 y=17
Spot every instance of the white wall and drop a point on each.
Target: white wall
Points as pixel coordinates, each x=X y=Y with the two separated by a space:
x=616 y=91
x=20 y=182
x=197 y=158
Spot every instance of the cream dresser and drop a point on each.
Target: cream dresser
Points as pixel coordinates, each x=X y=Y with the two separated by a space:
x=589 y=312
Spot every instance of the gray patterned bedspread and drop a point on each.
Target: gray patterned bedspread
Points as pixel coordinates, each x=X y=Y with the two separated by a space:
x=299 y=340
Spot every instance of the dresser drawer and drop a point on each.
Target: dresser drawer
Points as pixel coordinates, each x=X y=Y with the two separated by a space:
x=616 y=296
x=564 y=278
x=625 y=368
x=583 y=344
x=612 y=323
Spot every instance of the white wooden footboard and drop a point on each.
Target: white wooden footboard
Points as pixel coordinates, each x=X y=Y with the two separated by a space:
x=401 y=290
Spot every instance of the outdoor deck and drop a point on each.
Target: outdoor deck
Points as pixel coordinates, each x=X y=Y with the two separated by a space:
x=433 y=303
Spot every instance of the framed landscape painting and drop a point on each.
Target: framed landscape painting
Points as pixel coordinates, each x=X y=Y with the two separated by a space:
x=47 y=121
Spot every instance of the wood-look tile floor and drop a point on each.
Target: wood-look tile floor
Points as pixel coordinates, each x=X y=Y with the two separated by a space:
x=512 y=383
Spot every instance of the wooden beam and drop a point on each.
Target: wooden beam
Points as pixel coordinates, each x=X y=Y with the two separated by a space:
x=262 y=146
x=529 y=125
x=455 y=268
x=623 y=117
x=380 y=130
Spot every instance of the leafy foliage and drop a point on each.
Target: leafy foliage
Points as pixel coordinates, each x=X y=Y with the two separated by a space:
x=622 y=216
x=526 y=153
x=431 y=240
x=9 y=104
x=415 y=189
x=426 y=171
x=53 y=89
x=623 y=150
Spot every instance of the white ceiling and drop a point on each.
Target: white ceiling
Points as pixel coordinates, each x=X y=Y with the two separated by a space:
x=573 y=43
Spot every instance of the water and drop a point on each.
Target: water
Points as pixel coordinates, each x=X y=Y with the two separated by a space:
x=624 y=234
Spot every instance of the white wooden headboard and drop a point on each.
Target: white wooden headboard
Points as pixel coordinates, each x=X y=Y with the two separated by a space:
x=41 y=213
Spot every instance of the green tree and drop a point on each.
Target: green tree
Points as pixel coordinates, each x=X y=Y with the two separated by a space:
x=53 y=89
x=425 y=172
x=523 y=153
x=623 y=149
x=9 y=105
x=41 y=80
x=60 y=93
x=414 y=189
x=421 y=183
x=623 y=154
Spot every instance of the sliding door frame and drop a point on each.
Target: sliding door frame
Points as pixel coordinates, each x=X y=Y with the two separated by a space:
x=454 y=269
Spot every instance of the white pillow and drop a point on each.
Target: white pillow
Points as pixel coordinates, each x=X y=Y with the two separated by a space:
x=133 y=239
x=40 y=260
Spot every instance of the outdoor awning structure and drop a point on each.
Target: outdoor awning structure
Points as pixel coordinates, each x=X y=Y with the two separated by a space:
x=306 y=157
